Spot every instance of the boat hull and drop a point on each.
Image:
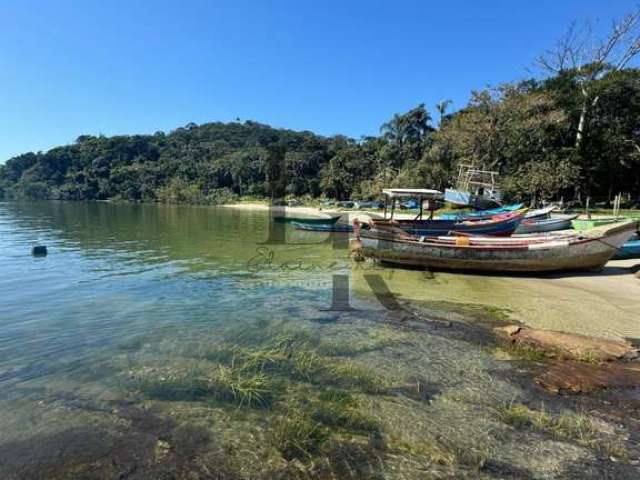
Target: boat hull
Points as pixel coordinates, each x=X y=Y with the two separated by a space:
x=535 y=225
x=541 y=212
x=501 y=225
x=577 y=253
x=593 y=223
x=481 y=214
x=329 y=220
x=323 y=227
x=630 y=249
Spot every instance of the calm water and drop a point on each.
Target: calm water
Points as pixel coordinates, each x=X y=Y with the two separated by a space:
x=118 y=272
x=129 y=350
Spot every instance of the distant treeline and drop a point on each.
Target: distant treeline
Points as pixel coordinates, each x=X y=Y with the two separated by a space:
x=547 y=138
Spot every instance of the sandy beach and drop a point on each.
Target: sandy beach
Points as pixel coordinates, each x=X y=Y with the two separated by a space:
x=604 y=304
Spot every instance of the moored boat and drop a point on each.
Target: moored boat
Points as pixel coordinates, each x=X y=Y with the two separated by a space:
x=553 y=223
x=308 y=219
x=335 y=227
x=631 y=249
x=475 y=188
x=541 y=212
x=466 y=215
x=586 y=224
x=499 y=225
x=587 y=250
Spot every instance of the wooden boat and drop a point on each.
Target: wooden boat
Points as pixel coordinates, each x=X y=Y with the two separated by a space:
x=587 y=250
x=541 y=212
x=555 y=222
x=499 y=225
x=310 y=227
x=586 y=224
x=475 y=188
x=631 y=249
x=302 y=219
x=467 y=214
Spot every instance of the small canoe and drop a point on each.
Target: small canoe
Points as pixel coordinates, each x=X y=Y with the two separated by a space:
x=500 y=225
x=588 y=250
x=309 y=227
x=468 y=214
x=555 y=222
x=631 y=249
x=308 y=219
x=580 y=224
x=541 y=212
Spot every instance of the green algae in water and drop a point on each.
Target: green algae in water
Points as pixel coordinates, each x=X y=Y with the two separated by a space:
x=219 y=383
x=298 y=435
x=161 y=297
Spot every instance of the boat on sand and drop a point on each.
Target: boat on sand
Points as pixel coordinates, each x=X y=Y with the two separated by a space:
x=553 y=223
x=470 y=215
x=500 y=225
x=589 y=250
x=631 y=249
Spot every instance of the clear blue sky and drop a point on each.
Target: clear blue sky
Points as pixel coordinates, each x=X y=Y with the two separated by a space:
x=117 y=67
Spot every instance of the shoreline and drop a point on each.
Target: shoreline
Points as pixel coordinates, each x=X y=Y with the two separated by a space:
x=602 y=304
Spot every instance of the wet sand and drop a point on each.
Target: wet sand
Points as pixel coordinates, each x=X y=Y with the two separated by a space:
x=605 y=304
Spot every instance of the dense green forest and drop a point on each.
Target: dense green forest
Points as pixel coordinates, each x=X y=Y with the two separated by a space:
x=548 y=138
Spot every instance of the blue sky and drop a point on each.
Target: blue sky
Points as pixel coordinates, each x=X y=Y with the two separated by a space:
x=118 y=67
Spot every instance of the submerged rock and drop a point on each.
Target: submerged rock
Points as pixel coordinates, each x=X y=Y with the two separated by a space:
x=579 y=377
x=569 y=345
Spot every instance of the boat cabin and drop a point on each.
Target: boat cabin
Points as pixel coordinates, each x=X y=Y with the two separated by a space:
x=475 y=188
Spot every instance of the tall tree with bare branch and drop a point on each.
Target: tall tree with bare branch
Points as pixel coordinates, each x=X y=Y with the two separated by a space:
x=591 y=59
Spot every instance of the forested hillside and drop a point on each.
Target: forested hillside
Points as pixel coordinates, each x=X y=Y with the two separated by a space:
x=547 y=138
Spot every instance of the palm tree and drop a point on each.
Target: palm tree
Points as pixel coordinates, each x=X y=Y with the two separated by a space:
x=442 y=106
x=394 y=130
x=417 y=122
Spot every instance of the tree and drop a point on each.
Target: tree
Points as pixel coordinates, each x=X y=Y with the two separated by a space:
x=411 y=126
x=441 y=107
x=574 y=52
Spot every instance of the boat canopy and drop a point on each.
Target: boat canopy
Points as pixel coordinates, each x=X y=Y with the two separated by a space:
x=417 y=193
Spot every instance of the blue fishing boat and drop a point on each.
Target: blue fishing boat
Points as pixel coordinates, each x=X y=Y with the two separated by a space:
x=467 y=214
x=631 y=249
x=475 y=188
x=499 y=225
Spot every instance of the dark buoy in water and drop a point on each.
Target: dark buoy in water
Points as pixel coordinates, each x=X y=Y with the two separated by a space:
x=39 y=251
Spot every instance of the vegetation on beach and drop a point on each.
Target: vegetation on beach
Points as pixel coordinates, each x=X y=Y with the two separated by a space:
x=571 y=133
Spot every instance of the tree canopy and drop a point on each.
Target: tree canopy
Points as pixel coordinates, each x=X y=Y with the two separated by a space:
x=526 y=131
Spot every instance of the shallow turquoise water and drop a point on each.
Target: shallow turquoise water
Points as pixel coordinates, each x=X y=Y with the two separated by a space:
x=116 y=272
x=115 y=347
